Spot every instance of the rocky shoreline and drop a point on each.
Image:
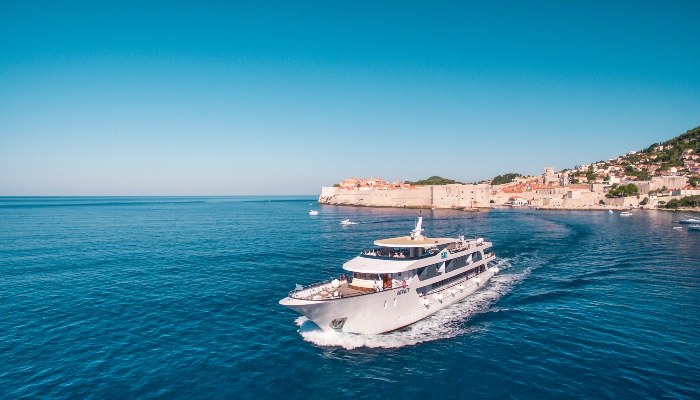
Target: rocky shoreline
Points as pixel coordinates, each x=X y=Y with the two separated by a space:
x=591 y=208
x=330 y=202
x=684 y=209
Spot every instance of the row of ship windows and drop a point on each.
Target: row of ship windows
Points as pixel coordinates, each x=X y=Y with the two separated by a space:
x=433 y=270
x=362 y=275
x=466 y=275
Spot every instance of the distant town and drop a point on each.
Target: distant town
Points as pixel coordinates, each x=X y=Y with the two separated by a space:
x=663 y=176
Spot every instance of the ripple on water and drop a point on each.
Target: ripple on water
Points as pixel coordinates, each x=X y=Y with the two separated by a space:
x=178 y=299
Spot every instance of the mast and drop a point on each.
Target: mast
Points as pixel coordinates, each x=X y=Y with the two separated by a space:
x=415 y=233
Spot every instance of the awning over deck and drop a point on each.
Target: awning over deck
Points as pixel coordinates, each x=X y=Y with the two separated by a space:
x=378 y=265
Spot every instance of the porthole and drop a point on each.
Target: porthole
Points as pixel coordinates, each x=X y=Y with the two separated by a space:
x=385 y=304
x=394 y=302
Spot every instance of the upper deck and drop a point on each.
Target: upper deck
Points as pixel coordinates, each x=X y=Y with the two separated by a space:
x=398 y=259
x=413 y=241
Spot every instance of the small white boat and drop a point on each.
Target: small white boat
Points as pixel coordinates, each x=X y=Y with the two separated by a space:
x=677 y=227
x=690 y=220
x=347 y=222
x=313 y=212
x=610 y=211
x=694 y=227
x=625 y=214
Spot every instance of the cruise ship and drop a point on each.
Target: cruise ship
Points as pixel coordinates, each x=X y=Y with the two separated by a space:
x=400 y=281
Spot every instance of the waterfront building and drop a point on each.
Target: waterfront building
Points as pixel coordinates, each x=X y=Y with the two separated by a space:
x=686 y=191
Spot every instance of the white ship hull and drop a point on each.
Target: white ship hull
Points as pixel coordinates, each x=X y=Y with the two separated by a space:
x=404 y=280
x=389 y=309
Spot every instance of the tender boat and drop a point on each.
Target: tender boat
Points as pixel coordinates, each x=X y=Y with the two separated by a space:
x=690 y=220
x=347 y=222
x=694 y=227
x=677 y=227
x=313 y=212
x=401 y=281
x=625 y=214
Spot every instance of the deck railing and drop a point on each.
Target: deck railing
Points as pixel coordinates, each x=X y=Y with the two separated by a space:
x=310 y=290
x=428 y=253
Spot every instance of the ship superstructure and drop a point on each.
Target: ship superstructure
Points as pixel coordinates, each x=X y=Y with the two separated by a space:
x=400 y=281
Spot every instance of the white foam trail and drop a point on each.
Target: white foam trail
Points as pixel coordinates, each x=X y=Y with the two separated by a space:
x=446 y=323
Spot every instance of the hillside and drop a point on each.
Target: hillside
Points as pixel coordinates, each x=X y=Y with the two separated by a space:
x=671 y=150
x=677 y=156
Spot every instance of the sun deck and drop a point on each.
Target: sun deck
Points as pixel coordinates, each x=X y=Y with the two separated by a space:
x=428 y=249
x=410 y=241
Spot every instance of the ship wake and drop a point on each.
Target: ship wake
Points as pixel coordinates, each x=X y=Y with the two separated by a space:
x=444 y=324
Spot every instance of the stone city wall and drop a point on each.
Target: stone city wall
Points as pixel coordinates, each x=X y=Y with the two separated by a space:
x=444 y=196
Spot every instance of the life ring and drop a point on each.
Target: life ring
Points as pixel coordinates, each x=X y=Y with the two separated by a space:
x=403 y=284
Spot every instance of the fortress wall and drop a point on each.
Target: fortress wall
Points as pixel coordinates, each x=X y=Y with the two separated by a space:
x=579 y=199
x=671 y=182
x=413 y=198
x=623 y=201
x=329 y=191
x=447 y=196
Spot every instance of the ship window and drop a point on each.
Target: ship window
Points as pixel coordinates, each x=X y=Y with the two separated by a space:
x=448 y=265
x=447 y=281
x=428 y=272
x=394 y=302
x=384 y=304
x=456 y=264
x=367 y=277
x=477 y=256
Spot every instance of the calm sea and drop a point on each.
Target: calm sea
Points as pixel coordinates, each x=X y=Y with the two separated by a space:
x=177 y=298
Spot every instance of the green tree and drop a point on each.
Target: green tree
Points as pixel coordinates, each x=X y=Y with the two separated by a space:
x=505 y=178
x=624 y=191
x=673 y=204
x=690 y=201
x=435 y=180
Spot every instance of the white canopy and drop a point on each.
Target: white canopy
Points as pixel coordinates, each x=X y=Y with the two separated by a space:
x=379 y=265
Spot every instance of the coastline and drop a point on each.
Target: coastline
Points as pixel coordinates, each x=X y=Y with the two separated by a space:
x=592 y=208
x=543 y=208
x=684 y=209
x=410 y=207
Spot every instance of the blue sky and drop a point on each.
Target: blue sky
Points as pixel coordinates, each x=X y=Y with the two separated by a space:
x=235 y=98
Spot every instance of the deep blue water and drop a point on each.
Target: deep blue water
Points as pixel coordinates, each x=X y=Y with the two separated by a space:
x=177 y=298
